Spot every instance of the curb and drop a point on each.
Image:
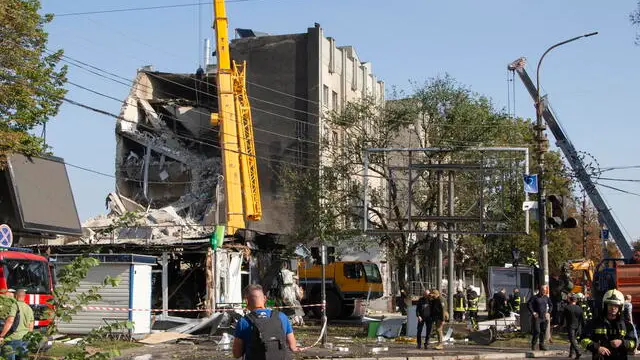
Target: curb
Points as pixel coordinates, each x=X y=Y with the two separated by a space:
x=479 y=356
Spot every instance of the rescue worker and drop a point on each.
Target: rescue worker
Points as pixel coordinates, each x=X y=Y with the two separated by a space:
x=584 y=304
x=459 y=305
x=472 y=307
x=609 y=336
x=627 y=313
x=514 y=301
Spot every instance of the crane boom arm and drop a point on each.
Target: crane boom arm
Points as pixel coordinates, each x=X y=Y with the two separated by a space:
x=569 y=151
x=236 y=132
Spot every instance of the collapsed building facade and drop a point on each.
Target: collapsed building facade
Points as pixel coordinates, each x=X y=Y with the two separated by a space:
x=168 y=158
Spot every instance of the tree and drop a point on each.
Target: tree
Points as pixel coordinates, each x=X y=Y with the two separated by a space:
x=441 y=113
x=31 y=83
x=634 y=17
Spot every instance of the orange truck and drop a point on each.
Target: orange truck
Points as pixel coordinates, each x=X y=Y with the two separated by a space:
x=345 y=281
x=620 y=274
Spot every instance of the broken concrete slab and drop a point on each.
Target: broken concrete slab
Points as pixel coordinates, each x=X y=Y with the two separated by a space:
x=162 y=337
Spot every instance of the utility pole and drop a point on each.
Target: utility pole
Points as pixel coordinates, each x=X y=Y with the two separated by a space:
x=323 y=289
x=541 y=142
x=452 y=245
x=440 y=235
x=584 y=226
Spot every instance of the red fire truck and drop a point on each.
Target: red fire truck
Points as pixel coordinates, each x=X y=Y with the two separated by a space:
x=21 y=269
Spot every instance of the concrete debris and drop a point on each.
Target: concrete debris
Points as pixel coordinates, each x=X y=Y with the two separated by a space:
x=154 y=226
x=167 y=166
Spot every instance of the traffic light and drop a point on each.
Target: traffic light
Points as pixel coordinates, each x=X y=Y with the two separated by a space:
x=560 y=218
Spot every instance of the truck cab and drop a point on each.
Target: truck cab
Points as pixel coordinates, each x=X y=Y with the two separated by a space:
x=345 y=281
x=21 y=269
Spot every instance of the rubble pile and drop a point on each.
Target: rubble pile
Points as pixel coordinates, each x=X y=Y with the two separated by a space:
x=129 y=222
x=168 y=165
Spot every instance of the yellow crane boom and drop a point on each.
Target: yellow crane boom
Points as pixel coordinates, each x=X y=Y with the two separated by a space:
x=236 y=132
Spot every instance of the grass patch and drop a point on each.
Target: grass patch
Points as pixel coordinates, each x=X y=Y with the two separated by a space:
x=519 y=339
x=59 y=350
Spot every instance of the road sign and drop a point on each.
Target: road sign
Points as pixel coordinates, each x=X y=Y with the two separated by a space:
x=6 y=236
x=604 y=234
x=531 y=184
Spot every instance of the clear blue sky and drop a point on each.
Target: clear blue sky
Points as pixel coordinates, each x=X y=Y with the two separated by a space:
x=593 y=83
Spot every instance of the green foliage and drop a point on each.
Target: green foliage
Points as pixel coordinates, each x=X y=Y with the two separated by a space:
x=634 y=17
x=5 y=305
x=67 y=301
x=31 y=86
x=439 y=114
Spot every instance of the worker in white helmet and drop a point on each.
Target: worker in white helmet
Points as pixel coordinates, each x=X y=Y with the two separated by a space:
x=609 y=336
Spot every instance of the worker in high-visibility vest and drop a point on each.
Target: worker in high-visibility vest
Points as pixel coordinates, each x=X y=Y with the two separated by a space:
x=459 y=305
x=514 y=301
x=472 y=307
x=609 y=336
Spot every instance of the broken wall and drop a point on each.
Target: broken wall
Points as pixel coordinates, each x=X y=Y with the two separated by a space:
x=167 y=153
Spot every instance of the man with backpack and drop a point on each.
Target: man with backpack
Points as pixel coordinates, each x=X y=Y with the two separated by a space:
x=263 y=334
x=18 y=323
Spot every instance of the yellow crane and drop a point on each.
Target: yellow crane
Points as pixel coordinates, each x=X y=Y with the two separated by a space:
x=240 y=170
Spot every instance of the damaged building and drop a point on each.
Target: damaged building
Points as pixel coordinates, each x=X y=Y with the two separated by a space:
x=168 y=154
x=168 y=162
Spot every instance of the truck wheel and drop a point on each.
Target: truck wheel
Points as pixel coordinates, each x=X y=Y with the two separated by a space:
x=348 y=308
x=334 y=305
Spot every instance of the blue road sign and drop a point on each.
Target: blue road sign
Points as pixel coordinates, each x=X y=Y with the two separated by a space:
x=6 y=236
x=604 y=234
x=531 y=184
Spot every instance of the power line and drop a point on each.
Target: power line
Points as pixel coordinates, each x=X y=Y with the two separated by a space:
x=617 y=179
x=618 y=189
x=618 y=168
x=84 y=168
x=143 y=8
x=106 y=113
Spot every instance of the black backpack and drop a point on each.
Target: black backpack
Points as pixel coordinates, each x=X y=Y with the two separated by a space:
x=268 y=341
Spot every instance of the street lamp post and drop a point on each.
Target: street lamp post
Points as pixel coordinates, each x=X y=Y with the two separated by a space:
x=540 y=127
x=515 y=253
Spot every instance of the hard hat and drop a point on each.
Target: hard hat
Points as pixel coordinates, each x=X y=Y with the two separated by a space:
x=613 y=297
x=579 y=295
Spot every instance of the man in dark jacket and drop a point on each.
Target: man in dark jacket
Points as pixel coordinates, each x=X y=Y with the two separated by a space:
x=438 y=317
x=539 y=305
x=423 y=313
x=500 y=303
x=573 y=320
x=609 y=336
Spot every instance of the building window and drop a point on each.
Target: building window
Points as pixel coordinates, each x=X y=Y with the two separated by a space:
x=325 y=95
x=334 y=101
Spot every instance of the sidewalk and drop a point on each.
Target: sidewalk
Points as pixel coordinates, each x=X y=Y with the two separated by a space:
x=466 y=352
